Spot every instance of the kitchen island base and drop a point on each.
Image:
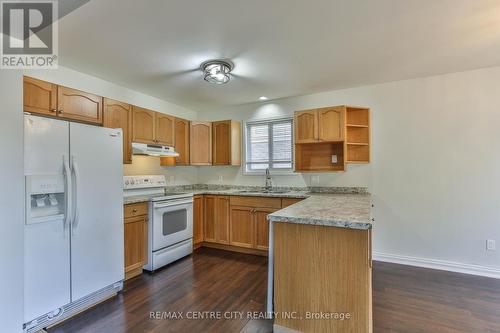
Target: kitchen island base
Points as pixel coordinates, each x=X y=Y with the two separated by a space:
x=322 y=278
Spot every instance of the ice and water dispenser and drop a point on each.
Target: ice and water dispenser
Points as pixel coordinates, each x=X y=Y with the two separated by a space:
x=45 y=198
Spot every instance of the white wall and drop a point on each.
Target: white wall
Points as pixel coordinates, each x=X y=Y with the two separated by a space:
x=435 y=171
x=140 y=165
x=148 y=165
x=11 y=202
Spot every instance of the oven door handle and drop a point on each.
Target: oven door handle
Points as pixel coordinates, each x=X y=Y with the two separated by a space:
x=172 y=203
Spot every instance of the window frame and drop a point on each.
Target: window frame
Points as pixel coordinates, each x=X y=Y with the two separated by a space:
x=269 y=122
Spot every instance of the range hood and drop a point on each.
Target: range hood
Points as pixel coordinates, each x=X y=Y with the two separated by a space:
x=153 y=150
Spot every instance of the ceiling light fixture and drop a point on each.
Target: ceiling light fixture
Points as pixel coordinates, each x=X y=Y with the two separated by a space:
x=263 y=98
x=217 y=71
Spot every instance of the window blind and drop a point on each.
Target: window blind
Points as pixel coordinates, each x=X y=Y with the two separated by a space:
x=269 y=145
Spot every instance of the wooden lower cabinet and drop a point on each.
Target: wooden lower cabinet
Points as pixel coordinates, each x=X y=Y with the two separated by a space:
x=198 y=218
x=242 y=226
x=262 y=227
x=249 y=226
x=135 y=238
x=216 y=224
x=236 y=221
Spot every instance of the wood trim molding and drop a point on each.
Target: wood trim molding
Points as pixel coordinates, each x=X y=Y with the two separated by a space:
x=443 y=265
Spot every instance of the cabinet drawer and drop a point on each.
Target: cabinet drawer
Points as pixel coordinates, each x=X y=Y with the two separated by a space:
x=256 y=202
x=136 y=209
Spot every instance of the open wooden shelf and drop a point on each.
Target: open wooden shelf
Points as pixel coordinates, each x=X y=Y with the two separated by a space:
x=357 y=116
x=317 y=157
x=358 y=153
x=357 y=135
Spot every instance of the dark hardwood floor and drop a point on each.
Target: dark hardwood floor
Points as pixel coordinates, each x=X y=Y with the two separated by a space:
x=405 y=299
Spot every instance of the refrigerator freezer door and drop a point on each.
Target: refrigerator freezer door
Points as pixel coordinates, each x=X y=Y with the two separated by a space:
x=46 y=245
x=97 y=228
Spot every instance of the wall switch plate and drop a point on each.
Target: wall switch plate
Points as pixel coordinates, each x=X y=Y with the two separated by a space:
x=491 y=245
x=334 y=159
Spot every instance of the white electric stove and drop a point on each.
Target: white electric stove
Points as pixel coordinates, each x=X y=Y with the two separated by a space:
x=170 y=224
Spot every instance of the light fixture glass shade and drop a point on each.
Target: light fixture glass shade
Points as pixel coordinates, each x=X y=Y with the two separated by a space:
x=216 y=71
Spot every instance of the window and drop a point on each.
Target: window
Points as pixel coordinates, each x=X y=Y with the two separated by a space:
x=269 y=145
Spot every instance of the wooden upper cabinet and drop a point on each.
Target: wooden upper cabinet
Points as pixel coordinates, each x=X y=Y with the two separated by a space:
x=77 y=105
x=331 y=124
x=306 y=126
x=119 y=115
x=181 y=138
x=39 y=96
x=143 y=125
x=164 y=132
x=200 y=143
x=226 y=142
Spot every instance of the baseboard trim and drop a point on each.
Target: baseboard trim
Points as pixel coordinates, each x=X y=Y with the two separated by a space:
x=438 y=264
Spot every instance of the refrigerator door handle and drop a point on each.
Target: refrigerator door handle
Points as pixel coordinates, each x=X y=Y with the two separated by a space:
x=69 y=196
x=76 y=179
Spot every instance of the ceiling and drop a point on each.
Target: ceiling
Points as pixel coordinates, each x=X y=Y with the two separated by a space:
x=280 y=48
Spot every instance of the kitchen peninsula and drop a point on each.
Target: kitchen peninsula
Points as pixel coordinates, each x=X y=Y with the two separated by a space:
x=320 y=265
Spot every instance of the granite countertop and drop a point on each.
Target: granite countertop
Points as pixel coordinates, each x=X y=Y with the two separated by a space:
x=344 y=207
x=290 y=194
x=351 y=211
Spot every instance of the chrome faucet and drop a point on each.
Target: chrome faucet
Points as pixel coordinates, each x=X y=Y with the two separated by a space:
x=269 y=180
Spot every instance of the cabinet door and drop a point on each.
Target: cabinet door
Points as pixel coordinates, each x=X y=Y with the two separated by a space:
x=143 y=125
x=331 y=124
x=198 y=216
x=242 y=226
x=39 y=96
x=134 y=245
x=221 y=144
x=306 y=126
x=182 y=141
x=200 y=143
x=262 y=228
x=210 y=207
x=222 y=221
x=164 y=133
x=119 y=115
x=77 y=105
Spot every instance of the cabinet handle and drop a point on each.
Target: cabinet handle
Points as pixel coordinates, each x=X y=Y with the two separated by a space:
x=53 y=110
x=134 y=210
x=60 y=111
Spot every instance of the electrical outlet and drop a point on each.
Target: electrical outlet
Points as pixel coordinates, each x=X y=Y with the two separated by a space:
x=171 y=179
x=315 y=179
x=491 y=245
x=221 y=179
x=334 y=159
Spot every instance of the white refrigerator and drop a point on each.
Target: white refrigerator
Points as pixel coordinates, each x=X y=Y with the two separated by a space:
x=74 y=253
